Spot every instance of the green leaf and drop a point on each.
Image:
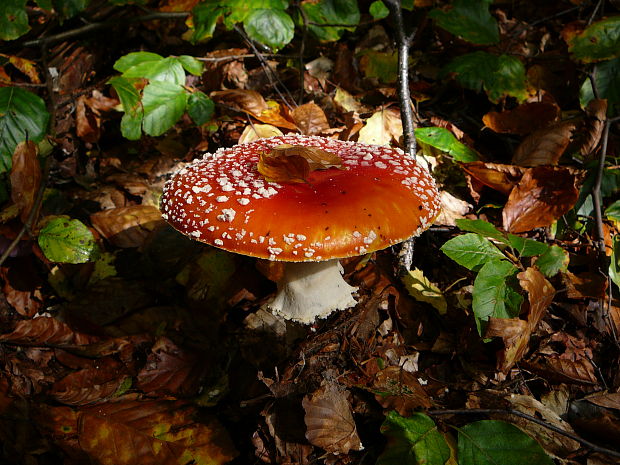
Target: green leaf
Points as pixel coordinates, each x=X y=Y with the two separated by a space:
x=380 y=65
x=554 y=260
x=13 y=19
x=23 y=116
x=273 y=28
x=205 y=16
x=331 y=12
x=498 y=76
x=598 y=42
x=613 y=211
x=191 y=65
x=164 y=103
x=490 y=288
x=166 y=70
x=413 y=440
x=607 y=84
x=614 y=265
x=378 y=10
x=526 y=247
x=471 y=251
x=67 y=241
x=130 y=60
x=484 y=228
x=492 y=442
x=200 y=108
x=70 y=8
x=45 y=4
x=469 y=19
x=131 y=124
x=444 y=140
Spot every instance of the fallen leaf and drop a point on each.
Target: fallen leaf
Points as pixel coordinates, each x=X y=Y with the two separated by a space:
x=127 y=226
x=347 y=102
x=502 y=178
x=562 y=370
x=523 y=119
x=585 y=285
x=294 y=163
x=545 y=146
x=383 y=127
x=596 y=115
x=22 y=287
x=400 y=390
x=28 y=67
x=543 y=195
x=329 y=420
x=45 y=331
x=25 y=177
x=243 y=100
x=254 y=132
x=310 y=119
x=273 y=115
x=421 y=289
x=452 y=209
x=605 y=399
x=88 y=115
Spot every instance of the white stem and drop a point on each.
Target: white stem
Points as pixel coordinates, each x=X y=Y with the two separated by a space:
x=311 y=290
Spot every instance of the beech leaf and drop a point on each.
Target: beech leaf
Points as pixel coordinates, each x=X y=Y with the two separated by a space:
x=25 y=177
x=294 y=163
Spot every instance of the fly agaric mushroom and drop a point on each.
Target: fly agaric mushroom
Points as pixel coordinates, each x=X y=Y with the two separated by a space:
x=307 y=201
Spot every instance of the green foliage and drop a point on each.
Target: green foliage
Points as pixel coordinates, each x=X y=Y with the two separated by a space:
x=607 y=84
x=469 y=19
x=498 y=75
x=331 y=12
x=378 y=10
x=444 y=140
x=598 y=42
x=496 y=293
x=69 y=8
x=13 y=19
x=274 y=28
x=491 y=442
x=613 y=211
x=160 y=104
x=67 y=241
x=412 y=440
x=380 y=65
x=23 y=116
x=614 y=265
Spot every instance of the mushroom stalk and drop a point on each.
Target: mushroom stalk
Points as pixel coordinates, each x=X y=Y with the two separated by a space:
x=311 y=290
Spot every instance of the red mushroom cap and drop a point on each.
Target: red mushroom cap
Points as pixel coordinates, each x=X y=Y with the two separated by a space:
x=379 y=199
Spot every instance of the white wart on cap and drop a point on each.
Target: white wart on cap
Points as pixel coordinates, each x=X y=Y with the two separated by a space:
x=380 y=198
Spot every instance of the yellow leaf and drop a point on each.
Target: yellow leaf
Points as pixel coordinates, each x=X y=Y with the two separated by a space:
x=423 y=290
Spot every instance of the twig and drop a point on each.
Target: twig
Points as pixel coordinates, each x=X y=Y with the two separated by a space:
x=89 y=28
x=594 y=12
x=485 y=411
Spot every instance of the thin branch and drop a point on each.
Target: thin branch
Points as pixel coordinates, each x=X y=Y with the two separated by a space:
x=485 y=411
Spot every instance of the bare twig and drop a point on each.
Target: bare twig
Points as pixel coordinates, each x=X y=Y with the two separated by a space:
x=488 y=411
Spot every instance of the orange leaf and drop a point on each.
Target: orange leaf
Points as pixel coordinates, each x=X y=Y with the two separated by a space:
x=127 y=226
x=28 y=67
x=243 y=100
x=543 y=195
x=273 y=115
x=500 y=177
x=523 y=119
x=25 y=177
x=545 y=146
x=310 y=119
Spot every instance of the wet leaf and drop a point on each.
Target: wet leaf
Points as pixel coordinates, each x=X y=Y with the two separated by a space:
x=489 y=442
x=420 y=288
x=310 y=119
x=67 y=241
x=329 y=420
x=412 y=440
x=25 y=178
x=599 y=41
x=444 y=140
x=543 y=195
x=523 y=119
x=545 y=146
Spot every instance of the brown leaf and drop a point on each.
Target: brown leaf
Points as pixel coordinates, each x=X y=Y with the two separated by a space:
x=540 y=294
x=585 y=285
x=562 y=370
x=545 y=146
x=500 y=177
x=523 y=119
x=593 y=124
x=329 y=420
x=92 y=384
x=28 y=67
x=605 y=399
x=400 y=390
x=46 y=331
x=543 y=195
x=127 y=226
x=130 y=432
x=172 y=370
x=310 y=119
x=294 y=163
x=25 y=177
x=88 y=115
x=242 y=100
x=273 y=115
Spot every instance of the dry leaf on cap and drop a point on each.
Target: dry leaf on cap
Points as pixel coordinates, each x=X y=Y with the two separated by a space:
x=543 y=195
x=254 y=132
x=522 y=119
x=329 y=420
x=294 y=163
x=310 y=119
x=545 y=146
x=25 y=177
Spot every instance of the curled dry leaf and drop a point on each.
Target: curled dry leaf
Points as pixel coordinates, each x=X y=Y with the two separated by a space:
x=254 y=132
x=127 y=226
x=88 y=115
x=310 y=119
x=25 y=177
x=522 y=119
x=329 y=420
x=243 y=100
x=294 y=163
x=545 y=146
x=500 y=177
x=543 y=195
x=596 y=113
x=44 y=331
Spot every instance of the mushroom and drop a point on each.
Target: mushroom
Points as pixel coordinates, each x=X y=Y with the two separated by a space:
x=373 y=198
